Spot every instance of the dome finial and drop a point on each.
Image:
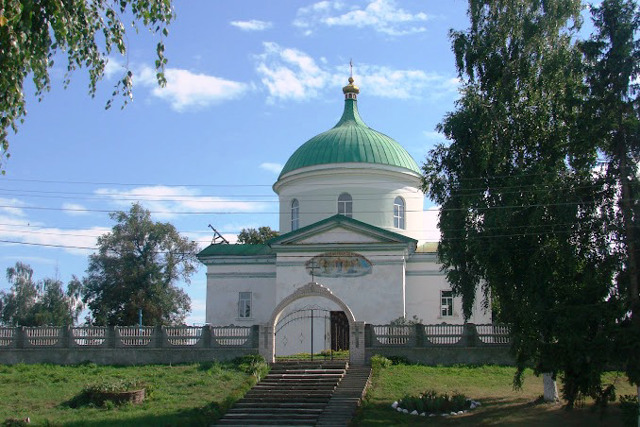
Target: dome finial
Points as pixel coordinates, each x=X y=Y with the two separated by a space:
x=350 y=91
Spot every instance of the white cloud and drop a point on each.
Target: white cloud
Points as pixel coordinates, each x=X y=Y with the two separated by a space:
x=392 y=83
x=186 y=90
x=252 y=25
x=113 y=67
x=167 y=202
x=75 y=241
x=11 y=207
x=291 y=74
x=74 y=209
x=271 y=167
x=383 y=16
x=434 y=135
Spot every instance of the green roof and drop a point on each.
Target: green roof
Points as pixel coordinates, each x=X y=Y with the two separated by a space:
x=350 y=141
x=235 y=250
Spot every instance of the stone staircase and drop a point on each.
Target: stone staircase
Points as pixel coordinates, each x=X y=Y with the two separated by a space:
x=302 y=394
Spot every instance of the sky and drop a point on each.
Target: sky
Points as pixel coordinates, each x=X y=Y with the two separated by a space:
x=248 y=82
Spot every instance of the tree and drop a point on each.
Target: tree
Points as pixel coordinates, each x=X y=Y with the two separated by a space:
x=34 y=33
x=251 y=236
x=31 y=303
x=136 y=268
x=521 y=207
x=613 y=114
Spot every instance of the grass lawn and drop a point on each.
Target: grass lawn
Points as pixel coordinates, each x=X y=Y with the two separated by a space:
x=180 y=395
x=490 y=385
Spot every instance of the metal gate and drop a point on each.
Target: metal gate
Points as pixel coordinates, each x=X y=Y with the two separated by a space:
x=312 y=332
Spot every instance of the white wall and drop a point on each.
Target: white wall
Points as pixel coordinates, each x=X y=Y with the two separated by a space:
x=425 y=281
x=225 y=281
x=372 y=187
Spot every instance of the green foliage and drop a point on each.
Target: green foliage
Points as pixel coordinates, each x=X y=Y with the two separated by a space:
x=399 y=360
x=102 y=393
x=34 y=34
x=253 y=364
x=30 y=303
x=251 y=236
x=612 y=111
x=433 y=402
x=379 y=362
x=524 y=212
x=403 y=321
x=630 y=410
x=136 y=267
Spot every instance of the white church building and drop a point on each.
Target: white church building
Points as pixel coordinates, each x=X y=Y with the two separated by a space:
x=352 y=248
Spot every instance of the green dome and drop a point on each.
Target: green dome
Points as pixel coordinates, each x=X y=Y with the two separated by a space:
x=350 y=141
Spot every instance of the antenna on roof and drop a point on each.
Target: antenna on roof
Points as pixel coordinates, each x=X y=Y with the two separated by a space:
x=217 y=237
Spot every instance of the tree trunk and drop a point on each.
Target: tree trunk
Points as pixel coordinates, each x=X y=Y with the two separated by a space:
x=550 y=388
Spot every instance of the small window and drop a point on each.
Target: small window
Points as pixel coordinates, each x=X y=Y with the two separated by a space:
x=399 y=213
x=295 y=214
x=446 y=303
x=345 y=205
x=244 y=305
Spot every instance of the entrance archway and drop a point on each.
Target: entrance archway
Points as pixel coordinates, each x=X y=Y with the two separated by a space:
x=313 y=289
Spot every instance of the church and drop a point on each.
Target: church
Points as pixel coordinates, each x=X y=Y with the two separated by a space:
x=352 y=248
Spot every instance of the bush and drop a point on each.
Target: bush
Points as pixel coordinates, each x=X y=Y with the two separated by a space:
x=253 y=364
x=432 y=402
x=101 y=393
x=629 y=408
x=399 y=360
x=380 y=362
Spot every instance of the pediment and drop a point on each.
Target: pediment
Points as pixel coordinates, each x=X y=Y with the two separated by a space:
x=339 y=229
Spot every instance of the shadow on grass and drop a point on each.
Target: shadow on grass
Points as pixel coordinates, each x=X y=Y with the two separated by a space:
x=203 y=416
x=498 y=411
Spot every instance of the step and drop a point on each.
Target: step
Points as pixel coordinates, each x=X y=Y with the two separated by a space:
x=301 y=393
x=302 y=411
x=289 y=405
x=249 y=416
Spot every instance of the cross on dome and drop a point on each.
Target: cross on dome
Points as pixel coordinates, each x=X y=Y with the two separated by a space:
x=351 y=91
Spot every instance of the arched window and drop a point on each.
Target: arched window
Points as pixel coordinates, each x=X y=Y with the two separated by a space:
x=345 y=205
x=399 y=213
x=295 y=214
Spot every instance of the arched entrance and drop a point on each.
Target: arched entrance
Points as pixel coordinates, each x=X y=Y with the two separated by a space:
x=313 y=289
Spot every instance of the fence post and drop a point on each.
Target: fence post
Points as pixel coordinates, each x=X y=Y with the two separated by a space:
x=159 y=336
x=255 y=337
x=419 y=334
x=368 y=335
x=66 y=337
x=469 y=335
x=206 y=336
x=111 y=337
x=20 y=336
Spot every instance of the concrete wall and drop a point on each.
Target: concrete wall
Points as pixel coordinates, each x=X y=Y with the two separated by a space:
x=448 y=356
x=428 y=344
x=441 y=344
x=125 y=345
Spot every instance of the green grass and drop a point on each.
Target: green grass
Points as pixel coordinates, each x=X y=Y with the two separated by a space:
x=491 y=385
x=194 y=394
x=197 y=394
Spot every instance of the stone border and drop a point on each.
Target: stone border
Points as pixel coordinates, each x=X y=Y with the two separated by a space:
x=474 y=405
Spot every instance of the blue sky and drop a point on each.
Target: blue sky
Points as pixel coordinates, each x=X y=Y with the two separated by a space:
x=248 y=82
